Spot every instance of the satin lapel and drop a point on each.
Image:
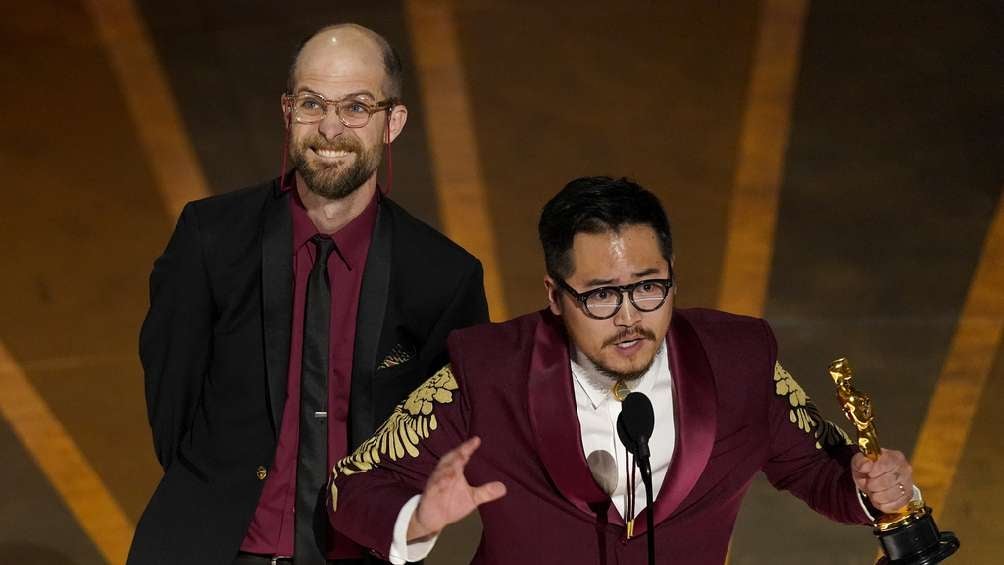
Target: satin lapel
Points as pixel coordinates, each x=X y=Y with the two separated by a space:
x=369 y=323
x=695 y=403
x=554 y=420
x=277 y=298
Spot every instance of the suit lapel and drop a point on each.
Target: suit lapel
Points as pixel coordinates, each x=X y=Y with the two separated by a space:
x=695 y=412
x=369 y=325
x=277 y=298
x=555 y=422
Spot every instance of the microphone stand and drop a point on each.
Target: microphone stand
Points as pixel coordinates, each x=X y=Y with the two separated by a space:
x=634 y=427
x=645 y=466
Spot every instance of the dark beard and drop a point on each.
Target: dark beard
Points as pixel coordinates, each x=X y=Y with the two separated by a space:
x=618 y=376
x=334 y=183
x=633 y=375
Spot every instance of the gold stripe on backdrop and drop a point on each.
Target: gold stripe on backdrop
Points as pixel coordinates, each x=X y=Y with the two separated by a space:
x=749 y=239
x=179 y=179
x=970 y=358
x=148 y=97
x=749 y=243
x=67 y=470
x=463 y=205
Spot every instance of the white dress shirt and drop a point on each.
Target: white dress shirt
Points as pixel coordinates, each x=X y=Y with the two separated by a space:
x=597 y=410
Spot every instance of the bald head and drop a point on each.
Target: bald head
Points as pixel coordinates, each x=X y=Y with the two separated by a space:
x=328 y=47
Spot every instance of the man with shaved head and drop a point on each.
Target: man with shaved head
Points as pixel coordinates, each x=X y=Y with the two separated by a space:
x=286 y=321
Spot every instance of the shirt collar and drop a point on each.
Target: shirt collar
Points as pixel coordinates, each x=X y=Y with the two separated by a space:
x=597 y=386
x=352 y=239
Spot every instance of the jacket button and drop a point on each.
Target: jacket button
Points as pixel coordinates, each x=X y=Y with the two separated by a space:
x=262 y=473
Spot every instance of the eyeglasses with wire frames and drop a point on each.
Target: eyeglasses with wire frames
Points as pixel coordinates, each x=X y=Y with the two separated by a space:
x=604 y=302
x=310 y=108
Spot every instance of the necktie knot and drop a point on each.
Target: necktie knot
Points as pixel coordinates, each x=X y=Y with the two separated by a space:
x=325 y=245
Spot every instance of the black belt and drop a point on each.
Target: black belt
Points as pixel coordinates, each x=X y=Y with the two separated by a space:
x=244 y=558
x=255 y=559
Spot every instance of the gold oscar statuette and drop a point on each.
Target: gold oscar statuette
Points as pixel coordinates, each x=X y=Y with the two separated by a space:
x=908 y=536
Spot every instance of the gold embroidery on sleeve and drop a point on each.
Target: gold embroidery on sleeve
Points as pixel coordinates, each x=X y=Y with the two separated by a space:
x=411 y=422
x=803 y=412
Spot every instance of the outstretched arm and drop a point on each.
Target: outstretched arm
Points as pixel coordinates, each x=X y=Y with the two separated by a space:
x=810 y=456
x=422 y=448
x=448 y=497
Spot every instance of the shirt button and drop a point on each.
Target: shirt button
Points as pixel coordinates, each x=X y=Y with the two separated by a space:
x=262 y=473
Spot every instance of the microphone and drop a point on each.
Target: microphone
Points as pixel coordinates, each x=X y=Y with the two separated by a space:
x=635 y=424
x=634 y=427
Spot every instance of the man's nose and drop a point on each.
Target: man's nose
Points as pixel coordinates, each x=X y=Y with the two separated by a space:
x=330 y=126
x=628 y=315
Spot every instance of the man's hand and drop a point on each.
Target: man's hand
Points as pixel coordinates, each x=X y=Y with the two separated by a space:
x=887 y=481
x=448 y=497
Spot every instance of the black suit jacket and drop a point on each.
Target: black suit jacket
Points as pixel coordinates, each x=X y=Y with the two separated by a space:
x=215 y=352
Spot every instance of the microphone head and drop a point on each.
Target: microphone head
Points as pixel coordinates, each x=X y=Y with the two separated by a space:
x=635 y=423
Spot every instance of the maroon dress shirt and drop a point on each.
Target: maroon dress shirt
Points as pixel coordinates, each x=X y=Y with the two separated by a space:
x=271 y=528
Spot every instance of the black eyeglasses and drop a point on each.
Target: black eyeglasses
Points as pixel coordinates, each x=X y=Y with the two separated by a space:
x=604 y=302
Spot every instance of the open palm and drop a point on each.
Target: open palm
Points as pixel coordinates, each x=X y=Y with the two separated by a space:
x=448 y=497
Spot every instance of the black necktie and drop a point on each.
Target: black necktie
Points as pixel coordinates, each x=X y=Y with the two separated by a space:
x=311 y=468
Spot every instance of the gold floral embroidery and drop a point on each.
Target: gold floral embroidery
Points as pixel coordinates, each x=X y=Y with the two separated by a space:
x=804 y=414
x=411 y=422
x=828 y=435
x=785 y=385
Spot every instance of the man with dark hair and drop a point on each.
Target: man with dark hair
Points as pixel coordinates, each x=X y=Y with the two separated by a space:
x=528 y=410
x=287 y=319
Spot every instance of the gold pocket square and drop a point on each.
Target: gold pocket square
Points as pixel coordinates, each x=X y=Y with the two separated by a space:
x=398 y=355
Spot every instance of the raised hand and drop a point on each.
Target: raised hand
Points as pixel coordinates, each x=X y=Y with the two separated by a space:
x=448 y=497
x=887 y=481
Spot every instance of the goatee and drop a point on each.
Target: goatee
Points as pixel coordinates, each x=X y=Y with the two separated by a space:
x=335 y=181
x=622 y=376
x=635 y=333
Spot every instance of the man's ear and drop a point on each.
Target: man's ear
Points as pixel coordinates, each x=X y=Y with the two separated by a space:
x=672 y=269
x=398 y=117
x=553 y=298
x=287 y=111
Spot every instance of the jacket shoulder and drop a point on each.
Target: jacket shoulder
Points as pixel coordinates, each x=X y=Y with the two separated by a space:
x=731 y=336
x=235 y=203
x=417 y=239
x=710 y=320
x=497 y=346
x=517 y=330
x=731 y=341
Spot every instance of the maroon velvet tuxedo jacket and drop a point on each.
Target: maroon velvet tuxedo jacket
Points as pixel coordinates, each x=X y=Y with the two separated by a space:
x=736 y=413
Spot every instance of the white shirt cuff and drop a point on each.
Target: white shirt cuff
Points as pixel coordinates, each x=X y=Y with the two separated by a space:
x=861 y=501
x=401 y=551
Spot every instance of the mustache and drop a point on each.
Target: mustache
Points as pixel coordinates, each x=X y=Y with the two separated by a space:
x=626 y=335
x=339 y=144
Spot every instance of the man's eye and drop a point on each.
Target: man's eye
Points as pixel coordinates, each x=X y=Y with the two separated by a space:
x=310 y=104
x=359 y=108
x=602 y=294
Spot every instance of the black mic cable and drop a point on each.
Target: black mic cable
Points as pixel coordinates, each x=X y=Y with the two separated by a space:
x=634 y=427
